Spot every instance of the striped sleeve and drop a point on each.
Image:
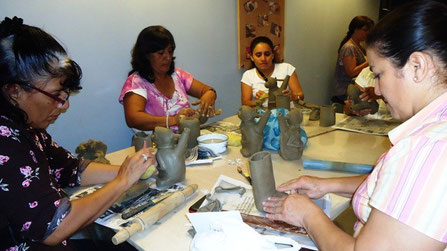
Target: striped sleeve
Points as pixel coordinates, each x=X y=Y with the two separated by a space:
x=412 y=189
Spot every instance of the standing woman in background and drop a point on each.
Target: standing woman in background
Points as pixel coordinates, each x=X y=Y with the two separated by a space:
x=351 y=56
x=156 y=92
x=263 y=57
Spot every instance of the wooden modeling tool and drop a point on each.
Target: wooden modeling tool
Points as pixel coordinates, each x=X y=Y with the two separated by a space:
x=146 y=219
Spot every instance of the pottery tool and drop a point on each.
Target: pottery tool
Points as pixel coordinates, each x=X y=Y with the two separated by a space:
x=146 y=219
x=246 y=176
x=132 y=211
x=336 y=166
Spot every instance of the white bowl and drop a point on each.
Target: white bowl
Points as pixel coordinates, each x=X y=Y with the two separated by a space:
x=215 y=141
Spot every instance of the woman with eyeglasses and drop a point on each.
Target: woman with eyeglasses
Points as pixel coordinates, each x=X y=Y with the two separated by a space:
x=36 y=78
x=156 y=92
x=351 y=57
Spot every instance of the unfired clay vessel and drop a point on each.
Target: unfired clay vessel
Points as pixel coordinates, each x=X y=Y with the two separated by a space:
x=274 y=91
x=140 y=140
x=170 y=157
x=194 y=126
x=263 y=181
x=327 y=115
x=291 y=146
x=354 y=93
x=252 y=132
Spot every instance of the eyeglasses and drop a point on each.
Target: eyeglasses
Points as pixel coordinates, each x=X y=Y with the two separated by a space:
x=61 y=100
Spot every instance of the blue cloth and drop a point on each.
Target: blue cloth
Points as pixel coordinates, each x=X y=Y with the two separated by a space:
x=272 y=131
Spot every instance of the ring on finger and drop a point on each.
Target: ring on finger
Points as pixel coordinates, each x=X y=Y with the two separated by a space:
x=145 y=157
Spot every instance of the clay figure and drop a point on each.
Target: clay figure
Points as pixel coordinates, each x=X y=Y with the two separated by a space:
x=283 y=101
x=93 y=150
x=274 y=91
x=354 y=92
x=193 y=124
x=291 y=146
x=204 y=119
x=327 y=115
x=252 y=132
x=170 y=157
x=263 y=181
x=140 y=140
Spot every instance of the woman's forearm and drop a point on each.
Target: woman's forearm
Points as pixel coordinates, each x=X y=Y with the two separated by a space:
x=344 y=186
x=86 y=209
x=97 y=173
x=144 y=121
x=325 y=234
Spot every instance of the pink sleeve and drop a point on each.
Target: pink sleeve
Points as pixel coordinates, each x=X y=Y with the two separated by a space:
x=134 y=83
x=185 y=78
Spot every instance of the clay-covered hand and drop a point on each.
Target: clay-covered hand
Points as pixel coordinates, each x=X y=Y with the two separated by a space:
x=135 y=165
x=292 y=209
x=187 y=112
x=363 y=112
x=313 y=187
x=260 y=94
x=207 y=102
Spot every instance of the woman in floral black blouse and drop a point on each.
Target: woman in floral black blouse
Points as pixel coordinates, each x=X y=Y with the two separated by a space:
x=36 y=78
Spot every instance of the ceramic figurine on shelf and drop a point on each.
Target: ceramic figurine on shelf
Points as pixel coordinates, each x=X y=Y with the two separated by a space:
x=358 y=104
x=291 y=146
x=170 y=157
x=252 y=132
x=274 y=90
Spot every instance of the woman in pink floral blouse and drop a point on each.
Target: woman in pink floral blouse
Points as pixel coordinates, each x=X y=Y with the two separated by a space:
x=156 y=92
x=36 y=78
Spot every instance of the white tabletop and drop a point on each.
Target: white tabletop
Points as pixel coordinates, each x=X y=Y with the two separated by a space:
x=170 y=233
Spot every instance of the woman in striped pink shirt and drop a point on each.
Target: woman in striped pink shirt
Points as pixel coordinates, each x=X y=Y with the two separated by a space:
x=402 y=204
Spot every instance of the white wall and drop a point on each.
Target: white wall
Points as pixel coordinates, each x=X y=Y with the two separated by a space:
x=99 y=35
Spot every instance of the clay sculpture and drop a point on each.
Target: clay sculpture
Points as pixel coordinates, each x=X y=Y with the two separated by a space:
x=291 y=146
x=140 y=140
x=193 y=124
x=315 y=109
x=283 y=101
x=274 y=91
x=354 y=93
x=327 y=115
x=93 y=150
x=252 y=132
x=202 y=118
x=263 y=181
x=170 y=157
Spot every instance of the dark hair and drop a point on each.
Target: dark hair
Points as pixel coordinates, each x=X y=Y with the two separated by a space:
x=150 y=40
x=29 y=55
x=415 y=26
x=262 y=39
x=357 y=22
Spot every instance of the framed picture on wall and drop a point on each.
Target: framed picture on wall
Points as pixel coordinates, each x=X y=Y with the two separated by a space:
x=260 y=18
